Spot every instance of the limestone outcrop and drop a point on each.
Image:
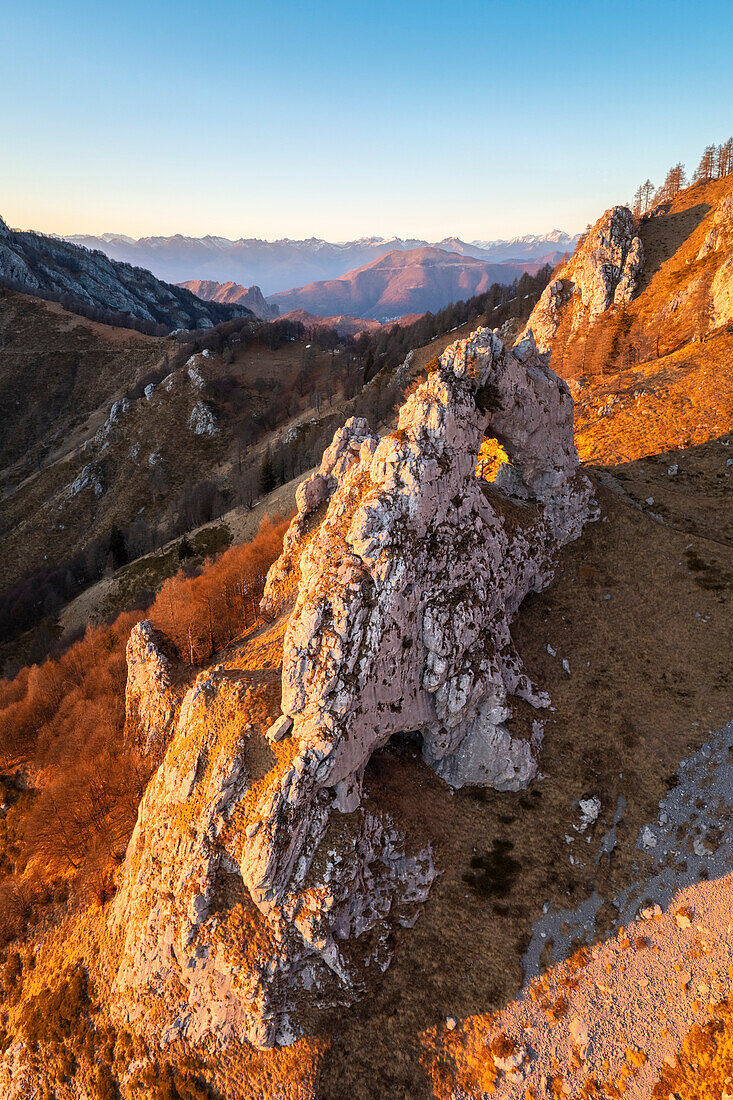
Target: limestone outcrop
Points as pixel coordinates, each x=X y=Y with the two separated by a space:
x=254 y=870
x=722 y=293
x=191 y=938
x=152 y=695
x=604 y=271
x=719 y=237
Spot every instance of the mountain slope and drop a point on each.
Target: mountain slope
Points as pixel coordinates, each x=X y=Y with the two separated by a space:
x=46 y=266
x=681 y=291
x=55 y=370
x=275 y=265
x=414 y=281
x=232 y=294
x=343 y=324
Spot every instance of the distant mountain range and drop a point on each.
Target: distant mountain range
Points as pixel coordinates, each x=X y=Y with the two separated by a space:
x=104 y=288
x=401 y=282
x=276 y=265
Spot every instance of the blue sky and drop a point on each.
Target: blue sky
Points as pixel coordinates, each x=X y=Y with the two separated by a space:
x=339 y=120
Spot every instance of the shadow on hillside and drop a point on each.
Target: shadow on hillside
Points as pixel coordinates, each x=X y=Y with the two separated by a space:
x=664 y=234
x=690 y=491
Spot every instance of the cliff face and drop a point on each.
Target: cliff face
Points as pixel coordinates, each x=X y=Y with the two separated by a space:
x=604 y=271
x=632 y=296
x=719 y=242
x=254 y=871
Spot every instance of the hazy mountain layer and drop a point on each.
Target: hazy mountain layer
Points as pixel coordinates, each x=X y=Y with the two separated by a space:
x=414 y=281
x=277 y=265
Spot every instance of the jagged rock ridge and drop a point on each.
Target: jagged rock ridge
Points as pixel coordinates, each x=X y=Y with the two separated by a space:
x=604 y=271
x=37 y=264
x=233 y=294
x=254 y=870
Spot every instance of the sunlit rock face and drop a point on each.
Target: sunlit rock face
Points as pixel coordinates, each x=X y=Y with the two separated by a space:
x=408 y=587
x=719 y=239
x=604 y=271
x=197 y=955
x=151 y=695
x=254 y=872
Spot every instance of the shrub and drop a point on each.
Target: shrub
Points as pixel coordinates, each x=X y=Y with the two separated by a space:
x=60 y=1013
x=67 y=716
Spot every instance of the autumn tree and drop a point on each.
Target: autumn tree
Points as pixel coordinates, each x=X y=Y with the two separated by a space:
x=706 y=168
x=673 y=183
x=724 y=159
x=647 y=194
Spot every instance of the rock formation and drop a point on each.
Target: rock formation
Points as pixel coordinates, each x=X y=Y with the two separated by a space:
x=152 y=698
x=719 y=238
x=254 y=869
x=231 y=293
x=604 y=271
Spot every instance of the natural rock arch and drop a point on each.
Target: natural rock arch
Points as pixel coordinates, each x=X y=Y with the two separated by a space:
x=408 y=570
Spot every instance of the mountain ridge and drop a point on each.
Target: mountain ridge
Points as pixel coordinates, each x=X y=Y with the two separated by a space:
x=109 y=290
x=277 y=265
x=401 y=282
x=232 y=294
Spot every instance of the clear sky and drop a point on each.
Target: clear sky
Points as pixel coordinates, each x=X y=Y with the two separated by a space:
x=340 y=120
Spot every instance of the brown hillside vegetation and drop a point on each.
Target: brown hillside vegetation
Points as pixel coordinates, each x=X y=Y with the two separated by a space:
x=677 y=401
x=55 y=370
x=674 y=305
x=221 y=420
x=648 y=679
x=72 y=782
x=632 y=640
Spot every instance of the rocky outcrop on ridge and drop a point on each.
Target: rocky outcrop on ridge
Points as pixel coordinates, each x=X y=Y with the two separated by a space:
x=36 y=264
x=152 y=698
x=254 y=870
x=233 y=294
x=185 y=916
x=604 y=271
x=720 y=239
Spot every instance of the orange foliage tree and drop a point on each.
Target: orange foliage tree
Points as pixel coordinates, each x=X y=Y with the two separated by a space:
x=61 y=726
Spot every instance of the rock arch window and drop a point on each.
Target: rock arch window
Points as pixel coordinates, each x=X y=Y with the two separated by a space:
x=491 y=457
